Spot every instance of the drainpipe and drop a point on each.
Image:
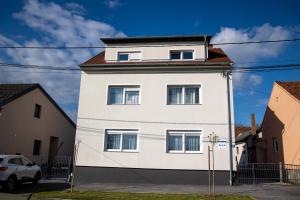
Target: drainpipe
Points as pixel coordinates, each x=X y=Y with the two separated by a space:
x=229 y=127
x=205 y=49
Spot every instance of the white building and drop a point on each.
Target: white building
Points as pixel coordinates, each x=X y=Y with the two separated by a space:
x=146 y=108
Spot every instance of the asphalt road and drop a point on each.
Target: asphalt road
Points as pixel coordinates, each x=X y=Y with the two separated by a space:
x=260 y=192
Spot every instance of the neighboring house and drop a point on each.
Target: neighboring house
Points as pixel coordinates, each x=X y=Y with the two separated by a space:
x=32 y=124
x=241 y=133
x=146 y=108
x=246 y=139
x=281 y=125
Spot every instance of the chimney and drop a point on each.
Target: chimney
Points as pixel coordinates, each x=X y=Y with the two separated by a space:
x=253 y=126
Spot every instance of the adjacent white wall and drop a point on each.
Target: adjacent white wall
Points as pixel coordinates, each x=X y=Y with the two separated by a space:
x=19 y=129
x=211 y=116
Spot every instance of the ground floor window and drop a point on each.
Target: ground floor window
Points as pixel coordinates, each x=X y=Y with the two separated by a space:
x=184 y=141
x=121 y=140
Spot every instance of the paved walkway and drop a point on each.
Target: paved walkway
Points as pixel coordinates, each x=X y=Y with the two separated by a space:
x=260 y=192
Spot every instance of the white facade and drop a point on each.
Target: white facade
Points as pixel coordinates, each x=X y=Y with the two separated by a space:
x=153 y=117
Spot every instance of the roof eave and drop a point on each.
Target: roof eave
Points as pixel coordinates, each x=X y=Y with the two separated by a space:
x=124 y=40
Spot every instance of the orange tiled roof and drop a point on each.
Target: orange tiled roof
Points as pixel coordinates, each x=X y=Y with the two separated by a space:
x=292 y=87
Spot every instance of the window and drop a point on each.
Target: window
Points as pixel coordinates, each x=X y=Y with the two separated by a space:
x=184 y=94
x=184 y=141
x=129 y=95
x=182 y=55
x=121 y=140
x=37 y=147
x=37 y=111
x=175 y=55
x=15 y=161
x=275 y=144
x=129 y=56
x=123 y=57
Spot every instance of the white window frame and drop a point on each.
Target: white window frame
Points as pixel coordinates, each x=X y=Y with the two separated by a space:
x=125 y=88
x=181 y=55
x=129 y=56
x=121 y=132
x=199 y=86
x=183 y=134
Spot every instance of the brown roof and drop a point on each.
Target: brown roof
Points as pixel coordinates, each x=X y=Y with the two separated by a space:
x=241 y=129
x=292 y=87
x=214 y=55
x=10 y=92
x=143 y=39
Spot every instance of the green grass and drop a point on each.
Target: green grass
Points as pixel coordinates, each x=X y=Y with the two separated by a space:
x=99 y=195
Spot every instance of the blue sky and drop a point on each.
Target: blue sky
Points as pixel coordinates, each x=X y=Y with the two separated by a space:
x=74 y=23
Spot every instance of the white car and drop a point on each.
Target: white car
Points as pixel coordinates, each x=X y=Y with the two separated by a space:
x=16 y=169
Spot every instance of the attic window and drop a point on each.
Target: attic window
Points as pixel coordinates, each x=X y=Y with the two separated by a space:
x=129 y=56
x=182 y=55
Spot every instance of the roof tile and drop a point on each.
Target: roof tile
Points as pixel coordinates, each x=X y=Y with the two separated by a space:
x=292 y=87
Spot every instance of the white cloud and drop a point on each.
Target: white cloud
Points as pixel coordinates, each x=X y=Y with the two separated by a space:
x=243 y=54
x=56 y=26
x=75 y=8
x=112 y=3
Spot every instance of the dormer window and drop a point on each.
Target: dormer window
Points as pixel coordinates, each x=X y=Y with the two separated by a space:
x=182 y=55
x=123 y=57
x=129 y=56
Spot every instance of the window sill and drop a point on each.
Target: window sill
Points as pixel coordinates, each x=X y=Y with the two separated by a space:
x=184 y=152
x=123 y=104
x=121 y=151
x=196 y=104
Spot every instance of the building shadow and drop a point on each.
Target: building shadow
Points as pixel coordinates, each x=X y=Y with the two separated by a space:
x=27 y=188
x=272 y=129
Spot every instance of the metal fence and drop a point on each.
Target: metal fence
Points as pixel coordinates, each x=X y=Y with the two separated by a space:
x=53 y=167
x=255 y=173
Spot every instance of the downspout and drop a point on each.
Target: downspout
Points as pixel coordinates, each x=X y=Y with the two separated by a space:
x=229 y=127
x=205 y=48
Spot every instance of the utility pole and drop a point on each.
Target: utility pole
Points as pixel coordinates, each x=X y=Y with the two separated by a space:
x=228 y=73
x=213 y=139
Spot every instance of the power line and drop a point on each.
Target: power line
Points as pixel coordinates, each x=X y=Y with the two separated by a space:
x=244 y=69
x=157 y=45
x=259 y=42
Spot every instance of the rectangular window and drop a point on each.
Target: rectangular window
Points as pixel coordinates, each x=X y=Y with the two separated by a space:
x=37 y=111
x=130 y=56
x=37 y=147
x=189 y=94
x=187 y=55
x=121 y=140
x=123 y=56
x=275 y=144
x=184 y=141
x=129 y=95
x=182 y=55
x=175 y=55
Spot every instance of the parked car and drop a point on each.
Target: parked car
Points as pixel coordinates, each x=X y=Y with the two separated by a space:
x=15 y=169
